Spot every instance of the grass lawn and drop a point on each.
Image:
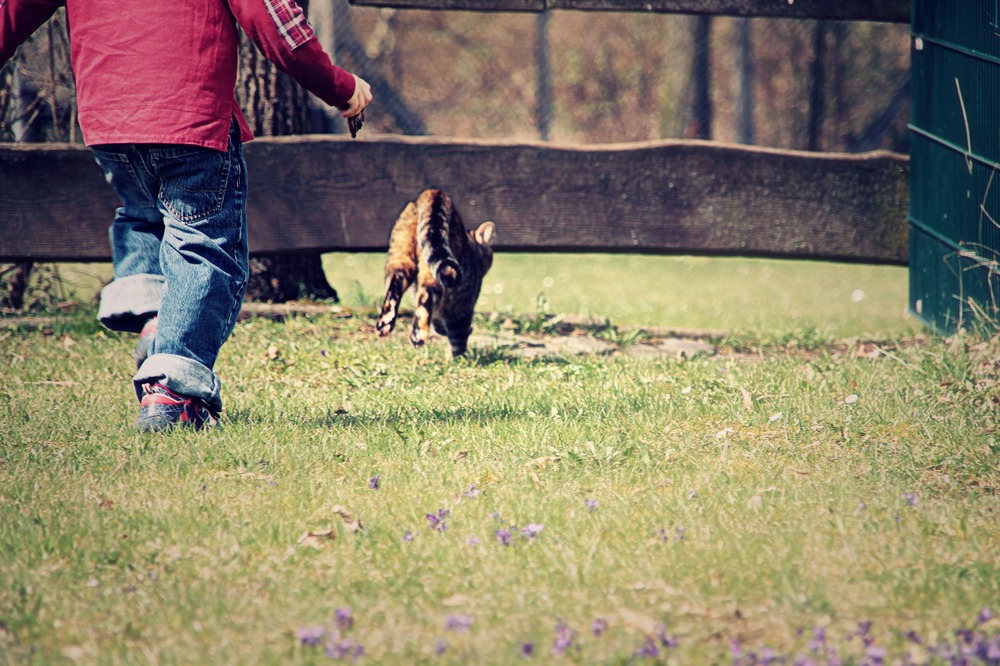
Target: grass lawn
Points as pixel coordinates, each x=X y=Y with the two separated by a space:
x=365 y=500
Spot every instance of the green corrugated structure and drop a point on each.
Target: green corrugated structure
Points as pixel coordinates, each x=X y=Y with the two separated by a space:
x=955 y=164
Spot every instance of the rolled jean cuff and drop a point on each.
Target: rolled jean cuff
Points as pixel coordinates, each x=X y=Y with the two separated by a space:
x=127 y=302
x=183 y=376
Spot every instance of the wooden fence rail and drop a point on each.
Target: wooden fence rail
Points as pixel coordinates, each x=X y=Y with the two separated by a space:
x=894 y=11
x=325 y=193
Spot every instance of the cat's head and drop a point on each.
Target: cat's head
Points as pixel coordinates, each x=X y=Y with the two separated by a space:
x=483 y=240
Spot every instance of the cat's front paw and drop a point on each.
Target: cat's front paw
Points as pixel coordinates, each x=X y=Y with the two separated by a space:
x=385 y=324
x=418 y=337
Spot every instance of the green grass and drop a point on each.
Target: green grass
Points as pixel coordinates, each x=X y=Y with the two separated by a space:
x=738 y=499
x=756 y=296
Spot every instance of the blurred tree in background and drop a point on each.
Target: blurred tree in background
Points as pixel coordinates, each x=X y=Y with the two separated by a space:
x=568 y=77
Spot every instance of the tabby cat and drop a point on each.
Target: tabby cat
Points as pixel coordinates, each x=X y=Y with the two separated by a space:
x=430 y=248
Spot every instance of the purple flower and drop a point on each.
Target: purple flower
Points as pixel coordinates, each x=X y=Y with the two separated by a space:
x=344 y=618
x=532 y=530
x=472 y=491
x=407 y=535
x=692 y=494
x=591 y=505
x=600 y=624
x=436 y=521
x=648 y=649
x=876 y=654
x=457 y=622
x=473 y=542
x=985 y=615
x=503 y=536
x=818 y=641
x=680 y=533
x=440 y=646
x=337 y=649
x=565 y=637
x=373 y=482
x=528 y=649
x=666 y=641
x=310 y=636
x=322 y=352
x=497 y=517
x=911 y=498
x=913 y=637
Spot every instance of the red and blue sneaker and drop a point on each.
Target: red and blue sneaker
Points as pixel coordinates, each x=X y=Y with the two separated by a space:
x=162 y=409
x=146 y=338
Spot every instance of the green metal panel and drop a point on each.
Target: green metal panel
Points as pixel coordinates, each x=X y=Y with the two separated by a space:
x=955 y=164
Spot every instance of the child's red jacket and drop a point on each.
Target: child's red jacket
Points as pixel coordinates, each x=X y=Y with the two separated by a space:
x=164 y=71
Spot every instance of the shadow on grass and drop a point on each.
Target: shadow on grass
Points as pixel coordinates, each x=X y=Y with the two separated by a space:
x=396 y=421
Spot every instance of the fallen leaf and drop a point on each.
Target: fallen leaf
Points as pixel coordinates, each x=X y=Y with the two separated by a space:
x=755 y=502
x=316 y=539
x=273 y=352
x=74 y=652
x=543 y=462
x=457 y=600
x=68 y=342
x=461 y=455
x=640 y=621
x=350 y=522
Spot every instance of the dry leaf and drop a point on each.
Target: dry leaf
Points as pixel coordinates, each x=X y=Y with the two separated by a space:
x=273 y=352
x=543 y=462
x=755 y=503
x=350 y=522
x=316 y=539
x=461 y=455
x=640 y=621
x=68 y=342
x=457 y=600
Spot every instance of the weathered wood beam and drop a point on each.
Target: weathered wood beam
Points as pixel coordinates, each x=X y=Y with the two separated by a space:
x=894 y=11
x=324 y=193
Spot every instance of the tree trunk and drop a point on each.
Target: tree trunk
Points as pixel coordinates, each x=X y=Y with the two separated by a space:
x=744 y=82
x=817 y=83
x=277 y=106
x=543 y=74
x=701 y=79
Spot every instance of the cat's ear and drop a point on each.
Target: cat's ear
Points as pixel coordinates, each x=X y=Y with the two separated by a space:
x=484 y=234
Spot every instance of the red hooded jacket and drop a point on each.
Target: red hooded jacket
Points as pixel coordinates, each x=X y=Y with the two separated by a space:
x=155 y=71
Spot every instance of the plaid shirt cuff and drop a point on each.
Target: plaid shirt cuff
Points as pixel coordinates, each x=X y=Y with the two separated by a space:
x=290 y=20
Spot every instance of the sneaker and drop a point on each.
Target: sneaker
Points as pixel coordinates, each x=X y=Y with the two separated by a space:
x=146 y=338
x=161 y=409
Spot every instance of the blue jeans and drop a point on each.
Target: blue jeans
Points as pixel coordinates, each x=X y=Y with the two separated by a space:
x=179 y=242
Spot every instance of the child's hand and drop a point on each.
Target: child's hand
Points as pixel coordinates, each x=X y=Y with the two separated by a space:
x=362 y=97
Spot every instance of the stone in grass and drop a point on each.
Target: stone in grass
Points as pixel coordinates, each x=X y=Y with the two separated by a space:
x=676 y=348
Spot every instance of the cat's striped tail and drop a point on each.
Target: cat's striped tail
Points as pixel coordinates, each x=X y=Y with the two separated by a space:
x=433 y=230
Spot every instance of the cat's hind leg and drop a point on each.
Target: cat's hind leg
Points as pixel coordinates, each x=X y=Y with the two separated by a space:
x=398 y=282
x=400 y=267
x=429 y=293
